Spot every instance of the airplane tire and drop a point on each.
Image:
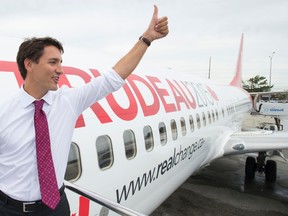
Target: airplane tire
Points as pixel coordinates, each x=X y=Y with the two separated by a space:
x=271 y=171
x=250 y=168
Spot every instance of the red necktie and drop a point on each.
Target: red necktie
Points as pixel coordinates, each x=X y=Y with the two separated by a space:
x=46 y=173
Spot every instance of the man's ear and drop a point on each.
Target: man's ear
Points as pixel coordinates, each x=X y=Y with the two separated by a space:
x=28 y=64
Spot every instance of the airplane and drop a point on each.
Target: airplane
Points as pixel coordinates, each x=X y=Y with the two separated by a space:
x=138 y=145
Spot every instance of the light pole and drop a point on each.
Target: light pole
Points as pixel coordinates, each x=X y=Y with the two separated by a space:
x=271 y=57
x=209 y=73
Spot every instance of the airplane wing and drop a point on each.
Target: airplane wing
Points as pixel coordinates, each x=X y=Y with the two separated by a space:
x=255 y=141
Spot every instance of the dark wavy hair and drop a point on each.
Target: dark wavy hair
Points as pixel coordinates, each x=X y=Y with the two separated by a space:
x=33 y=48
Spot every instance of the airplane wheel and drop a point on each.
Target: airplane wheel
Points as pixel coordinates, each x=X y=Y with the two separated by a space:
x=271 y=171
x=250 y=168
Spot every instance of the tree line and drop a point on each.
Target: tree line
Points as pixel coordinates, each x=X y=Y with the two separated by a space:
x=257 y=84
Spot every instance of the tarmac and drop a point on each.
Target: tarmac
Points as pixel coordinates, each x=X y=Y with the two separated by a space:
x=221 y=189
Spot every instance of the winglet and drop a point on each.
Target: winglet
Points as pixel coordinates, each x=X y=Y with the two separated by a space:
x=237 y=80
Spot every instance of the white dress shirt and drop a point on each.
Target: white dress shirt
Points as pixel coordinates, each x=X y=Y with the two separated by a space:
x=18 y=164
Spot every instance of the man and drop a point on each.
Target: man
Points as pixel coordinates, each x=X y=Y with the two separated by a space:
x=24 y=132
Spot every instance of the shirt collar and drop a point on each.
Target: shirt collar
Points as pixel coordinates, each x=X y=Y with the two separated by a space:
x=27 y=99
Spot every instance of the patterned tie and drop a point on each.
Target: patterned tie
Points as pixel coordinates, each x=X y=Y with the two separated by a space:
x=46 y=173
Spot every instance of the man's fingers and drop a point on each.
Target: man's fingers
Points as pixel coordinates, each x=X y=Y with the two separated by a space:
x=164 y=32
x=162 y=24
x=163 y=19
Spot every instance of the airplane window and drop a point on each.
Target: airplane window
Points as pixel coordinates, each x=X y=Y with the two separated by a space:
x=130 y=144
x=204 y=118
x=73 y=170
x=104 y=152
x=148 y=137
x=191 y=121
x=183 y=126
x=213 y=116
x=209 y=117
x=198 y=121
x=217 y=117
x=174 y=129
x=163 y=133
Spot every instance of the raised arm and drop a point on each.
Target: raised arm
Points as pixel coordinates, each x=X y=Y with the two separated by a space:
x=158 y=28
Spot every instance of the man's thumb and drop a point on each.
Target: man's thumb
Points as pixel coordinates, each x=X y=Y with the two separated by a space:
x=155 y=14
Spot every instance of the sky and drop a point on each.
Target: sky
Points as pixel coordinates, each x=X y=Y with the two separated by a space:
x=97 y=33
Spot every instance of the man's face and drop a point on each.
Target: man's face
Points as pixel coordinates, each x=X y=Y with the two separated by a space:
x=45 y=74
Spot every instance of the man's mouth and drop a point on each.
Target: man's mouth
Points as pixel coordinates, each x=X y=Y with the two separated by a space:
x=56 y=79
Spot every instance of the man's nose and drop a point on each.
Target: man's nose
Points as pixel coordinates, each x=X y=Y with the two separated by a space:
x=59 y=69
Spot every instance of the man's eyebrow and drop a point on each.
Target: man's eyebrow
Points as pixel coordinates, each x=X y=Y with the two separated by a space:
x=56 y=59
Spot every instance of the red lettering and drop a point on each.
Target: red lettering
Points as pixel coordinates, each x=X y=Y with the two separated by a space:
x=96 y=107
x=213 y=93
x=75 y=71
x=148 y=110
x=162 y=93
x=178 y=96
x=84 y=205
x=64 y=81
x=201 y=99
x=125 y=114
x=100 y=113
x=13 y=68
x=191 y=102
x=95 y=72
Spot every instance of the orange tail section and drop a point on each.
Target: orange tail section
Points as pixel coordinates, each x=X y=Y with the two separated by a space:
x=237 y=80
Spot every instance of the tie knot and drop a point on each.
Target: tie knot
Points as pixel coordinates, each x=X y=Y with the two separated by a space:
x=39 y=104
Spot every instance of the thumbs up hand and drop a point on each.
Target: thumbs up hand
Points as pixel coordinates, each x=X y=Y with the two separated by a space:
x=158 y=27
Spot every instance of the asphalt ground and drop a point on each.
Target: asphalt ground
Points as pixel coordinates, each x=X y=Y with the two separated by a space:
x=221 y=189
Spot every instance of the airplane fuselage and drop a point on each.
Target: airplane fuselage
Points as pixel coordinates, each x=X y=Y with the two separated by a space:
x=139 y=144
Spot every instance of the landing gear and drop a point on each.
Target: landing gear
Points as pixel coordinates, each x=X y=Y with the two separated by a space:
x=271 y=171
x=250 y=168
x=261 y=166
